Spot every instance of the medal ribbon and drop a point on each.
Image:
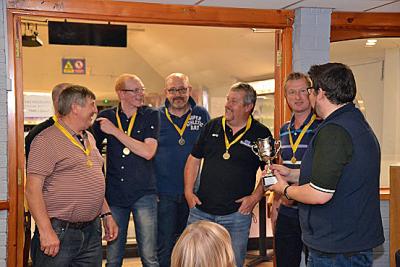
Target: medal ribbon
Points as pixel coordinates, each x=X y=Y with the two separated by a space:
x=131 y=122
x=72 y=139
x=179 y=130
x=54 y=118
x=227 y=144
x=302 y=133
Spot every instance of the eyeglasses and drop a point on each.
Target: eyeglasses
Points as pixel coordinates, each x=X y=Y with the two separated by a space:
x=175 y=91
x=135 y=91
x=302 y=91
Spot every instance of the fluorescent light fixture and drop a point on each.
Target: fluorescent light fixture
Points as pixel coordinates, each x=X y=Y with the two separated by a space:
x=258 y=30
x=264 y=86
x=371 y=42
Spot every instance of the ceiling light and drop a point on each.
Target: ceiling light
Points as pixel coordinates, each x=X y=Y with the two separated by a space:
x=30 y=37
x=371 y=42
x=257 y=30
x=264 y=86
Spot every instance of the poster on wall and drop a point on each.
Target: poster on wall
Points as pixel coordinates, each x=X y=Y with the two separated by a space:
x=73 y=66
x=37 y=107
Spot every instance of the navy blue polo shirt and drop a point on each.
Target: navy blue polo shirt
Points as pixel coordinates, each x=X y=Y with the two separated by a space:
x=171 y=157
x=128 y=177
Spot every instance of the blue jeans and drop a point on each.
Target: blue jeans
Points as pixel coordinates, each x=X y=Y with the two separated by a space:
x=321 y=259
x=237 y=224
x=78 y=247
x=173 y=213
x=144 y=212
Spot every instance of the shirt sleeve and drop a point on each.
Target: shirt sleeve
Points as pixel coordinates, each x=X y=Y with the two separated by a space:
x=332 y=151
x=198 y=148
x=41 y=159
x=152 y=129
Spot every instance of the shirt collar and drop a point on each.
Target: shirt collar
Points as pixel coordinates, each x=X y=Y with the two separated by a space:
x=305 y=121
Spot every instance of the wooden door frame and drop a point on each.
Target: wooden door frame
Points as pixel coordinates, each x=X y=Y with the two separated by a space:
x=121 y=12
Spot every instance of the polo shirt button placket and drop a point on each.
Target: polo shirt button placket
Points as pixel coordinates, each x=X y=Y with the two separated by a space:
x=122 y=167
x=122 y=179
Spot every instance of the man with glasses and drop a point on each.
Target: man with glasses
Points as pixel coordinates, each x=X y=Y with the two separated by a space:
x=181 y=122
x=338 y=191
x=131 y=130
x=226 y=193
x=295 y=136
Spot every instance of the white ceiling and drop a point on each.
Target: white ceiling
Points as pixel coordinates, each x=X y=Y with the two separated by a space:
x=336 y=5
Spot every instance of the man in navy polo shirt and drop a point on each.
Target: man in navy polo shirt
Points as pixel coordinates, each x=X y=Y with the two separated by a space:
x=131 y=130
x=226 y=193
x=181 y=122
x=338 y=191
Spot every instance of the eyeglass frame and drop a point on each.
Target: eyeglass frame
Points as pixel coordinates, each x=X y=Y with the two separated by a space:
x=307 y=91
x=135 y=91
x=180 y=91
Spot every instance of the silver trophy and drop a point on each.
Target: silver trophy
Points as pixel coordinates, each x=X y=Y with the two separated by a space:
x=267 y=149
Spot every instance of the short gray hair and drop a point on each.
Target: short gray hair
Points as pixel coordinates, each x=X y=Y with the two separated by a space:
x=251 y=95
x=74 y=94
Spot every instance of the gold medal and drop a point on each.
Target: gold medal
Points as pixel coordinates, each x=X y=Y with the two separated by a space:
x=293 y=160
x=126 y=151
x=181 y=141
x=89 y=163
x=226 y=155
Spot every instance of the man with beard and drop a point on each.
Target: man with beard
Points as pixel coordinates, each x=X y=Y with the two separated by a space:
x=65 y=187
x=181 y=122
x=226 y=194
x=131 y=130
x=338 y=191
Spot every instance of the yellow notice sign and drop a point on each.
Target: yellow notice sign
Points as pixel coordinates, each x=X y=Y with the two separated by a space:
x=73 y=66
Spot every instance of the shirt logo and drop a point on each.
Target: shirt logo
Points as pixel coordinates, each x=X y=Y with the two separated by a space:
x=195 y=123
x=246 y=143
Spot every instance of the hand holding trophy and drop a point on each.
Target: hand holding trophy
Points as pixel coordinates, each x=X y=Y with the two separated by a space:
x=267 y=149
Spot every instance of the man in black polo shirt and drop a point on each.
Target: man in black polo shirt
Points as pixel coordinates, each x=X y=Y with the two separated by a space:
x=338 y=187
x=226 y=194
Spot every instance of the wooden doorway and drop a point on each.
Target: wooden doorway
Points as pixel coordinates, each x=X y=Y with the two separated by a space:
x=120 y=12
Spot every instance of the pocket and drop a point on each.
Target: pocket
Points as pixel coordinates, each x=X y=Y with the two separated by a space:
x=60 y=232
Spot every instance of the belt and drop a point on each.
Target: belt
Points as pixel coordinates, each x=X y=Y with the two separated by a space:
x=332 y=255
x=71 y=225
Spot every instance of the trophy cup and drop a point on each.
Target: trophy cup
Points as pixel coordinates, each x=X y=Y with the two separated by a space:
x=267 y=149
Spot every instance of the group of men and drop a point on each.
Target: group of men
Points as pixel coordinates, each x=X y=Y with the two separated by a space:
x=153 y=160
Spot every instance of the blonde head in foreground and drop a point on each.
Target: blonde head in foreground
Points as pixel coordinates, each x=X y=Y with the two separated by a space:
x=203 y=244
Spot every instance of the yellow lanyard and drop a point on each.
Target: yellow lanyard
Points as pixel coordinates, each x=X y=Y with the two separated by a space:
x=179 y=130
x=131 y=123
x=298 y=140
x=86 y=151
x=227 y=144
x=54 y=118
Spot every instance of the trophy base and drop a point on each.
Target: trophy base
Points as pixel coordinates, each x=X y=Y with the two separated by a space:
x=269 y=180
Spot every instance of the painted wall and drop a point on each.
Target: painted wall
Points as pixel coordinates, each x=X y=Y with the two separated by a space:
x=3 y=135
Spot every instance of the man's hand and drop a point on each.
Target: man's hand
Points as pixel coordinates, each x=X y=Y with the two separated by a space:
x=107 y=126
x=192 y=200
x=49 y=243
x=110 y=228
x=280 y=185
x=283 y=171
x=248 y=203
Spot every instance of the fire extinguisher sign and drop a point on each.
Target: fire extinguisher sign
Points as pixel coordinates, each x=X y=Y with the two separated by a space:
x=73 y=66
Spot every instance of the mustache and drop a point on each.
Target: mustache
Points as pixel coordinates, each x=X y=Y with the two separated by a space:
x=178 y=98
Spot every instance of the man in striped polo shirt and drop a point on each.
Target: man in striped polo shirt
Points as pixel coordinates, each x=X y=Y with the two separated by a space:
x=295 y=136
x=65 y=187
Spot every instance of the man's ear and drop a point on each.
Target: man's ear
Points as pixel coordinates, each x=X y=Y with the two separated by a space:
x=249 y=107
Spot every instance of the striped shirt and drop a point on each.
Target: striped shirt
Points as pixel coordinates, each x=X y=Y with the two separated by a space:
x=286 y=149
x=72 y=190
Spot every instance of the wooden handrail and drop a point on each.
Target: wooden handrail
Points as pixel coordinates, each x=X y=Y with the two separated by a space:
x=394 y=212
x=4 y=205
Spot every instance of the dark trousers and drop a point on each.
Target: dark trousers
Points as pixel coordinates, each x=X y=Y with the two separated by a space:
x=78 y=247
x=288 y=243
x=173 y=213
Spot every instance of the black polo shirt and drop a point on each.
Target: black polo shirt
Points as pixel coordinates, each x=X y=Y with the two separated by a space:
x=224 y=181
x=128 y=177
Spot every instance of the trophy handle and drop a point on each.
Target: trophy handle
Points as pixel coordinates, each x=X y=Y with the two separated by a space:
x=255 y=150
x=277 y=147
